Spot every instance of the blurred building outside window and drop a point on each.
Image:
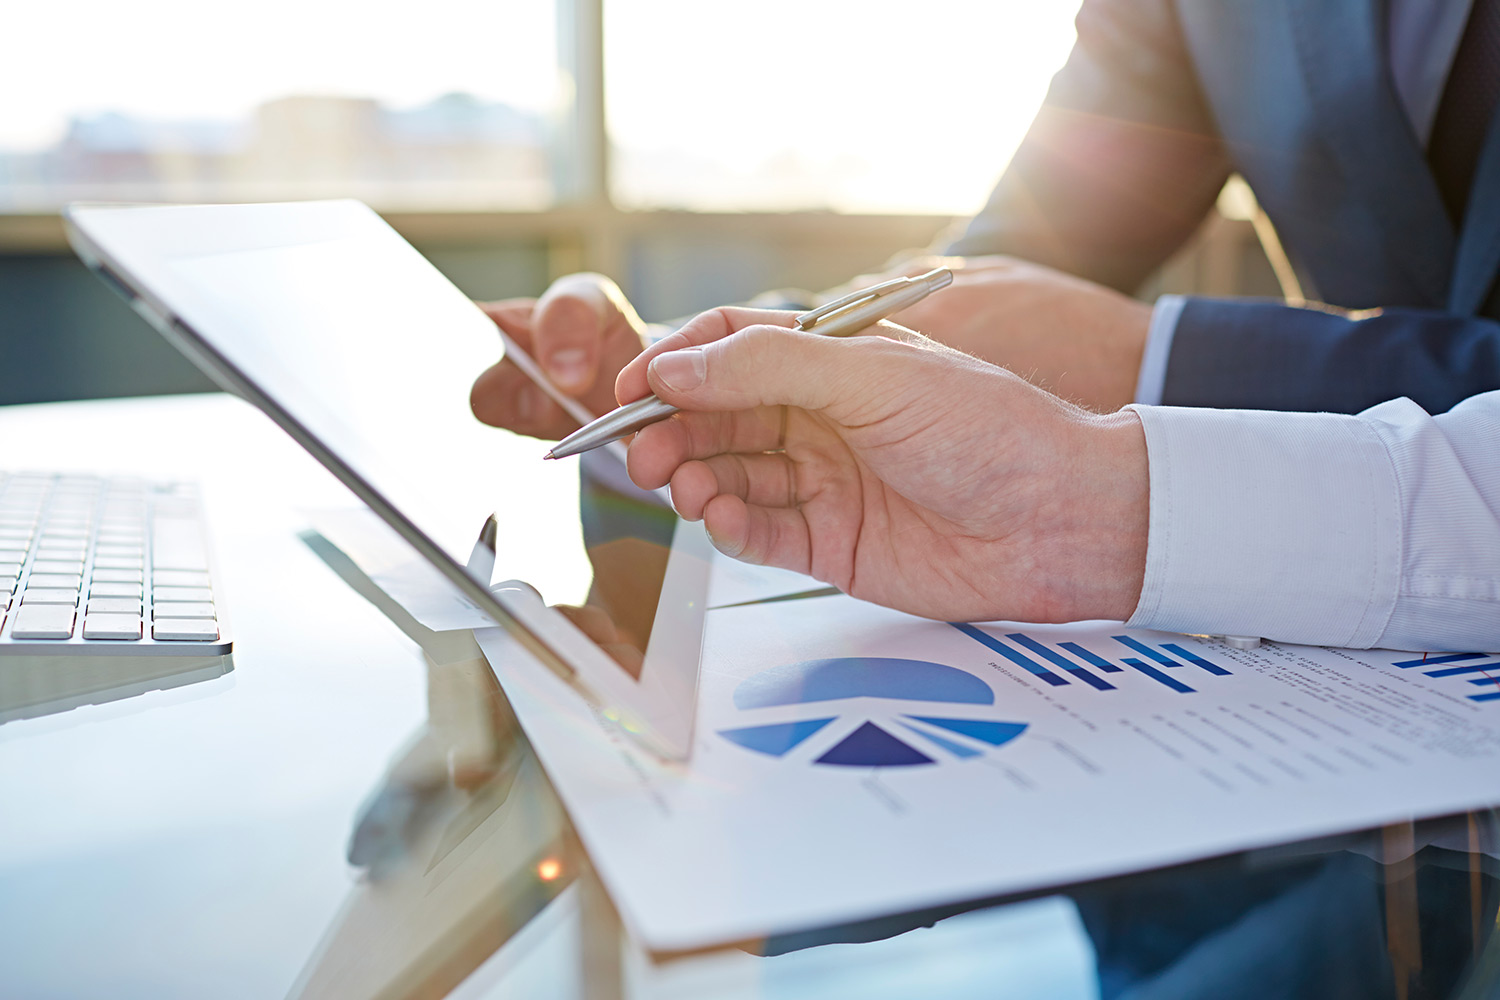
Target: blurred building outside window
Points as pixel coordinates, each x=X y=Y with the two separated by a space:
x=447 y=104
x=451 y=105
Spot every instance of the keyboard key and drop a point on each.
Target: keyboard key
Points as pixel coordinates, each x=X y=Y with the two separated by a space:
x=42 y=621
x=179 y=578
x=52 y=550
x=112 y=626
x=97 y=589
x=166 y=595
x=63 y=581
x=117 y=576
x=117 y=562
x=181 y=610
x=49 y=595
x=185 y=630
x=9 y=570
x=12 y=554
x=64 y=566
x=122 y=606
x=106 y=550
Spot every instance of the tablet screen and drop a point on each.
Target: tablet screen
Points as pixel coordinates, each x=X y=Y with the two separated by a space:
x=328 y=314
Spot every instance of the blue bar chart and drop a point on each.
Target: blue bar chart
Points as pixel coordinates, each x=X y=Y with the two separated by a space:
x=1072 y=668
x=1195 y=659
x=1159 y=676
x=1427 y=661
x=1015 y=656
x=1489 y=671
x=1090 y=657
x=1059 y=664
x=1145 y=650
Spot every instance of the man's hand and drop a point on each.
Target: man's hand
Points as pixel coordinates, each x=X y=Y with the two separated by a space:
x=582 y=331
x=1072 y=337
x=909 y=475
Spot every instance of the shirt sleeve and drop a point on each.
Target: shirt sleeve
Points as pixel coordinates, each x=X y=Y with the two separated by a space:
x=1380 y=529
x=1152 y=379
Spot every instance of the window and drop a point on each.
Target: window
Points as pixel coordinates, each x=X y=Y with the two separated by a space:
x=851 y=105
x=854 y=105
x=438 y=104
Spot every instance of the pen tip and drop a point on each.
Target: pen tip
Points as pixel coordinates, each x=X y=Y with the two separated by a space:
x=548 y=456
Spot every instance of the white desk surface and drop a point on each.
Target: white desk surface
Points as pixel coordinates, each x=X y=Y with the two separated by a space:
x=190 y=842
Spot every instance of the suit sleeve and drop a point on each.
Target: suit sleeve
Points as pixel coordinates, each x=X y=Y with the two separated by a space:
x=1269 y=356
x=1122 y=161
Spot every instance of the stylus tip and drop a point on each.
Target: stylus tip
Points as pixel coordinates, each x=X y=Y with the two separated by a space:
x=547 y=456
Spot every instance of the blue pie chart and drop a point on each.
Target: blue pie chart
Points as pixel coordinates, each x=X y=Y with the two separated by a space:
x=926 y=733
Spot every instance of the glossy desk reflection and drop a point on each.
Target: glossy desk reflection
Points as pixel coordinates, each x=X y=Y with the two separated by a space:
x=193 y=842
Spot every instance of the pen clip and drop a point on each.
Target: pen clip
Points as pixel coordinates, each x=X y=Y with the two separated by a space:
x=811 y=318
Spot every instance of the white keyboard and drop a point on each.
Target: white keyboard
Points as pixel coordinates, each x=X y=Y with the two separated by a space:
x=111 y=566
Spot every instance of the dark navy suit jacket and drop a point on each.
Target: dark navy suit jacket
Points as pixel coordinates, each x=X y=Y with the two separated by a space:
x=1161 y=100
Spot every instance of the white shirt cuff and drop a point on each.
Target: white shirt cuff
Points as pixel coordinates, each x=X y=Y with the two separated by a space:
x=1282 y=525
x=1152 y=380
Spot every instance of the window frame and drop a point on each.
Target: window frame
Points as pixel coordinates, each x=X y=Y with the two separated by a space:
x=585 y=229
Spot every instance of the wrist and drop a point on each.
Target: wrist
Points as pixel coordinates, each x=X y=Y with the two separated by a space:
x=1131 y=331
x=1102 y=498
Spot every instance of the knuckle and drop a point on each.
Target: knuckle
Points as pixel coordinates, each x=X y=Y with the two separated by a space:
x=763 y=345
x=724 y=321
x=737 y=477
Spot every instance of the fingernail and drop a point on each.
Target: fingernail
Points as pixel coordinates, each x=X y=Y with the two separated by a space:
x=724 y=545
x=681 y=370
x=568 y=367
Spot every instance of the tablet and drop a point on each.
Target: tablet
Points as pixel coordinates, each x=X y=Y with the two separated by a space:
x=326 y=319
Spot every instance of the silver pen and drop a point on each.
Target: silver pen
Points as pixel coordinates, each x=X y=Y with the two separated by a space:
x=839 y=318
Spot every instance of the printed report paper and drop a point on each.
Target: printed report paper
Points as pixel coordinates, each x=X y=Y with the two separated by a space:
x=851 y=761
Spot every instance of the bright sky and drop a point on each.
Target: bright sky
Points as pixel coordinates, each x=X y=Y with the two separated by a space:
x=912 y=106
x=193 y=59
x=929 y=98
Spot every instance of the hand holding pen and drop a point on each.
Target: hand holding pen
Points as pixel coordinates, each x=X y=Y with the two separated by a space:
x=895 y=468
x=840 y=318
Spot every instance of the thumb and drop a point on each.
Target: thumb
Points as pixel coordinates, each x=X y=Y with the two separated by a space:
x=772 y=365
